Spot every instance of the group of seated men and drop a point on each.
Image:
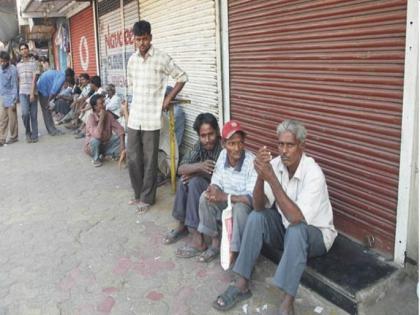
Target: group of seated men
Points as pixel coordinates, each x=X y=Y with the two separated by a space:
x=95 y=113
x=281 y=203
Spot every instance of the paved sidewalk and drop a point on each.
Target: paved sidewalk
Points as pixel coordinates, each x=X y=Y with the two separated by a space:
x=70 y=244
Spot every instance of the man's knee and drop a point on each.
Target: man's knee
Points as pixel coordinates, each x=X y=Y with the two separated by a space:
x=296 y=232
x=240 y=210
x=203 y=203
x=195 y=183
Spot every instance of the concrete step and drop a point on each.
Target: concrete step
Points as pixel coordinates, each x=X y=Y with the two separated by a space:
x=349 y=276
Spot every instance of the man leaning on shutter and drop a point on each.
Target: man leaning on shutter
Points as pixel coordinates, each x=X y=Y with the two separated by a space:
x=148 y=69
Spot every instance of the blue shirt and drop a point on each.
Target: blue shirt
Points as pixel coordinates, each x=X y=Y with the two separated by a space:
x=238 y=180
x=50 y=82
x=8 y=85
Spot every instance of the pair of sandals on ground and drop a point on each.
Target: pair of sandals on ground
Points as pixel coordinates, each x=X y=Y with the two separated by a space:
x=232 y=294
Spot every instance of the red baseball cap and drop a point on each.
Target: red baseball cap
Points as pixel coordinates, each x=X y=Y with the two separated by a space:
x=230 y=128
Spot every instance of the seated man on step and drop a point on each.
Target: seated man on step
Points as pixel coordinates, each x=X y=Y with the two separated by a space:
x=300 y=224
x=234 y=177
x=195 y=169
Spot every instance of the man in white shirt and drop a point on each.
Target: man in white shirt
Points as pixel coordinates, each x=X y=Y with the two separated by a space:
x=112 y=101
x=147 y=73
x=292 y=213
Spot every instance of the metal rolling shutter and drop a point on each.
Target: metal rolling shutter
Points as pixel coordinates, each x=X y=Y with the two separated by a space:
x=116 y=41
x=188 y=34
x=82 y=33
x=338 y=67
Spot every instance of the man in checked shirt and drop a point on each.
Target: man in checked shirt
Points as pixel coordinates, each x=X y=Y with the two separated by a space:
x=148 y=70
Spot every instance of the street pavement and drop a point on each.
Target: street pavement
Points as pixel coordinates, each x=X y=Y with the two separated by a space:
x=70 y=244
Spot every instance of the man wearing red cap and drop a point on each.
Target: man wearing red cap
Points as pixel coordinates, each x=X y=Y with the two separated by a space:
x=233 y=178
x=292 y=213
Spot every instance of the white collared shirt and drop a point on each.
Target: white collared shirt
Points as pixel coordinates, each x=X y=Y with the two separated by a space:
x=308 y=190
x=147 y=77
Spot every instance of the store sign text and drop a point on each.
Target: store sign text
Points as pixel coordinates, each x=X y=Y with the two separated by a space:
x=119 y=39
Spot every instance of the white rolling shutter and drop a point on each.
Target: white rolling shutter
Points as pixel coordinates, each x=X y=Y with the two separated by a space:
x=187 y=31
x=116 y=41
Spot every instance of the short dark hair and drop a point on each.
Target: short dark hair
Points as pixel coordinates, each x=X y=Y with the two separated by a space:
x=71 y=81
x=96 y=80
x=4 y=55
x=69 y=73
x=94 y=99
x=206 y=118
x=23 y=44
x=142 y=27
x=84 y=75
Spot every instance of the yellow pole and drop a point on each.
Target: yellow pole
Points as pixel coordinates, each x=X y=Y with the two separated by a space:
x=172 y=147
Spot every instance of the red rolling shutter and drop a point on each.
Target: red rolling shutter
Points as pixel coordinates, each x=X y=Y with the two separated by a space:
x=338 y=67
x=83 y=51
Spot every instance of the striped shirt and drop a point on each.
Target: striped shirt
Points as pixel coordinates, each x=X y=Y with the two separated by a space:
x=238 y=180
x=26 y=71
x=200 y=154
x=147 y=77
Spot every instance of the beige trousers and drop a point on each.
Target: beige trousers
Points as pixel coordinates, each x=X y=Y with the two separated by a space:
x=8 y=118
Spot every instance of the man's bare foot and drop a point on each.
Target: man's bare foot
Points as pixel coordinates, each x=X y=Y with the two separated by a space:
x=133 y=202
x=287 y=306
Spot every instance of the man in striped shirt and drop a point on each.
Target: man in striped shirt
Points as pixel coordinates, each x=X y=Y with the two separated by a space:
x=147 y=72
x=27 y=71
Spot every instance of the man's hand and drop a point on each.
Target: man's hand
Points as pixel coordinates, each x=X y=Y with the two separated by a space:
x=214 y=194
x=123 y=155
x=263 y=155
x=264 y=170
x=31 y=97
x=207 y=166
x=185 y=179
x=166 y=104
x=102 y=114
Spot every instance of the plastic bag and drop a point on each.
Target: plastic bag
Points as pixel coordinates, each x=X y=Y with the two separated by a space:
x=227 y=227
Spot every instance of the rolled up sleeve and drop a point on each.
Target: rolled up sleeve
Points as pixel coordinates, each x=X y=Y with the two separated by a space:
x=175 y=72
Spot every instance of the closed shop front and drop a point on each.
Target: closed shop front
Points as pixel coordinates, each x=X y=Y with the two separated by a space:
x=83 y=46
x=116 y=19
x=337 y=66
x=186 y=30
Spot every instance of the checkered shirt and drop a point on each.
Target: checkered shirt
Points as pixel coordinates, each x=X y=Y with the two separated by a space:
x=26 y=71
x=147 y=77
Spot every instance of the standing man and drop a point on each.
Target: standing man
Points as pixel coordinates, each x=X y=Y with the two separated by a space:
x=147 y=73
x=27 y=71
x=49 y=85
x=292 y=212
x=8 y=99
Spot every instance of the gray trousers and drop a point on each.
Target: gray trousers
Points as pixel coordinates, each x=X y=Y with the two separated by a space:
x=187 y=200
x=211 y=213
x=142 y=157
x=298 y=242
x=46 y=114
